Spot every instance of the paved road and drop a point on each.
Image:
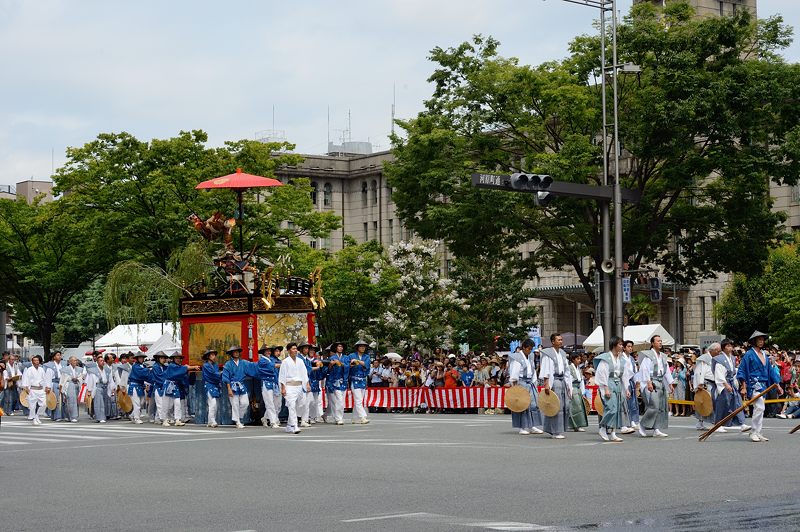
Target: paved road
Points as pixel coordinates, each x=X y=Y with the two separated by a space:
x=401 y=472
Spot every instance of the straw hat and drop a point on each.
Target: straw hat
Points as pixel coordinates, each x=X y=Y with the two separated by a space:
x=518 y=398
x=703 y=404
x=549 y=403
x=51 y=400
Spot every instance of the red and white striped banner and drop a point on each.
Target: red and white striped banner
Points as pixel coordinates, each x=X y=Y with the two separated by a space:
x=455 y=398
x=466 y=397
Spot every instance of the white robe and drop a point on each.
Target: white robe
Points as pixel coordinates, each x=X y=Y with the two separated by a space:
x=646 y=369
x=547 y=369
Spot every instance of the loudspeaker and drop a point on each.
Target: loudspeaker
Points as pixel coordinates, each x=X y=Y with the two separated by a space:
x=607 y=266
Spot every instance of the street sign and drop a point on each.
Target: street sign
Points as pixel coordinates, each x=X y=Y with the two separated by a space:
x=555 y=188
x=626 y=289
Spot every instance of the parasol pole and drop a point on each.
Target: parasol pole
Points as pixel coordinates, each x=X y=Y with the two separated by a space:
x=239 y=193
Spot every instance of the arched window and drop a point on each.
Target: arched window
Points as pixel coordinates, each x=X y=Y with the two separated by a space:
x=314 y=192
x=364 y=194
x=327 y=195
x=374 y=192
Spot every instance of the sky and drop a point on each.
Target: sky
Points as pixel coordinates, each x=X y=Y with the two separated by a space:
x=74 y=69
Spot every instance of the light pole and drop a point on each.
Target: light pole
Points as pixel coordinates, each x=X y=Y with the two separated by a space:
x=605 y=6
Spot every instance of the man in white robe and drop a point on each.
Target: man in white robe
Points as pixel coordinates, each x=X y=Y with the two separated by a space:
x=656 y=384
x=293 y=379
x=36 y=381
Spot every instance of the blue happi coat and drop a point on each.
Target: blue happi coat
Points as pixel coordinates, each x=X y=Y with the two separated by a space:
x=211 y=379
x=176 y=379
x=358 y=373
x=234 y=374
x=757 y=376
x=138 y=377
x=157 y=378
x=267 y=372
x=337 y=375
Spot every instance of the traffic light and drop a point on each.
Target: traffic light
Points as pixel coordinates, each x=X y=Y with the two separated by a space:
x=530 y=182
x=655 y=289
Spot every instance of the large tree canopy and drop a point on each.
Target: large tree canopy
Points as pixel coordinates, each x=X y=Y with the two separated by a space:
x=140 y=194
x=47 y=256
x=711 y=119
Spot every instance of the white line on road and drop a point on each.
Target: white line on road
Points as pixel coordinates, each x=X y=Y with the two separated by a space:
x=381 y=517
x=452 y=520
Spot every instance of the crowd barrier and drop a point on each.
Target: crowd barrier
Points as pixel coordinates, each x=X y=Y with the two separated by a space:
x=462 y=397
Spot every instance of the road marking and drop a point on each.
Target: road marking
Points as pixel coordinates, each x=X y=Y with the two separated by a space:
x=452 y=520
x=381 y=517
x=30 y=438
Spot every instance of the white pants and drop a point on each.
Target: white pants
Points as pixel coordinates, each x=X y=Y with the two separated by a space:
x=294 y=399
x=314 y=405
x=238 y=407
x=336 y=404
x=758 y=415
x=359 y=412
x=302 y=408
x=138 y=402
x=159 y=406
x=36 y=402
x=212 y=409
x=172 y=408
x=270 y=412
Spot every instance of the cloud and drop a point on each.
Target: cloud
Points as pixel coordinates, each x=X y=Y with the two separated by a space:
x=153 y=68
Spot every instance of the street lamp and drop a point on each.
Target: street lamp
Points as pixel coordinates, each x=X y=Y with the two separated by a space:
x=605 y=6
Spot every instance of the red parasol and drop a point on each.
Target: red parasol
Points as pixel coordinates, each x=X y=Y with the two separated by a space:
x=239 y=182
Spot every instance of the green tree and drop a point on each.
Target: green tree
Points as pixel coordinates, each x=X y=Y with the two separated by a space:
x=768 y=301
x=141 y=193
x=495 y=298
x=356 y=286
x=640 y=310
x=48 y=255
x=707 y=124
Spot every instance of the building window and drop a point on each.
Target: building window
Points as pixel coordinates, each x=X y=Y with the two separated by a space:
x=449 y=266
x=364 y=194
x=702 y=313
x=375 y=230
x=290 y=225
x=366 y=231
x=391 y=231
x=374 y=192
x=327 y=195
x=796 y=193
x=721 y=8
x=713 y=313
x=326 y=243
x=314 y=192
x=313 y=244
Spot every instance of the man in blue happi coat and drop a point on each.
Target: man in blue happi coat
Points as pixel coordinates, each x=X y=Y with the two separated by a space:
x=267 y=371
x=756 y=374
x=234 y=372
x=212 y=378
x=139 y=375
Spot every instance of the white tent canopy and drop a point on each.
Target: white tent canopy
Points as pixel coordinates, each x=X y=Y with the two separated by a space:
x=639 y=334
x=124 y=338
x=595 y=342
x=165 y=343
